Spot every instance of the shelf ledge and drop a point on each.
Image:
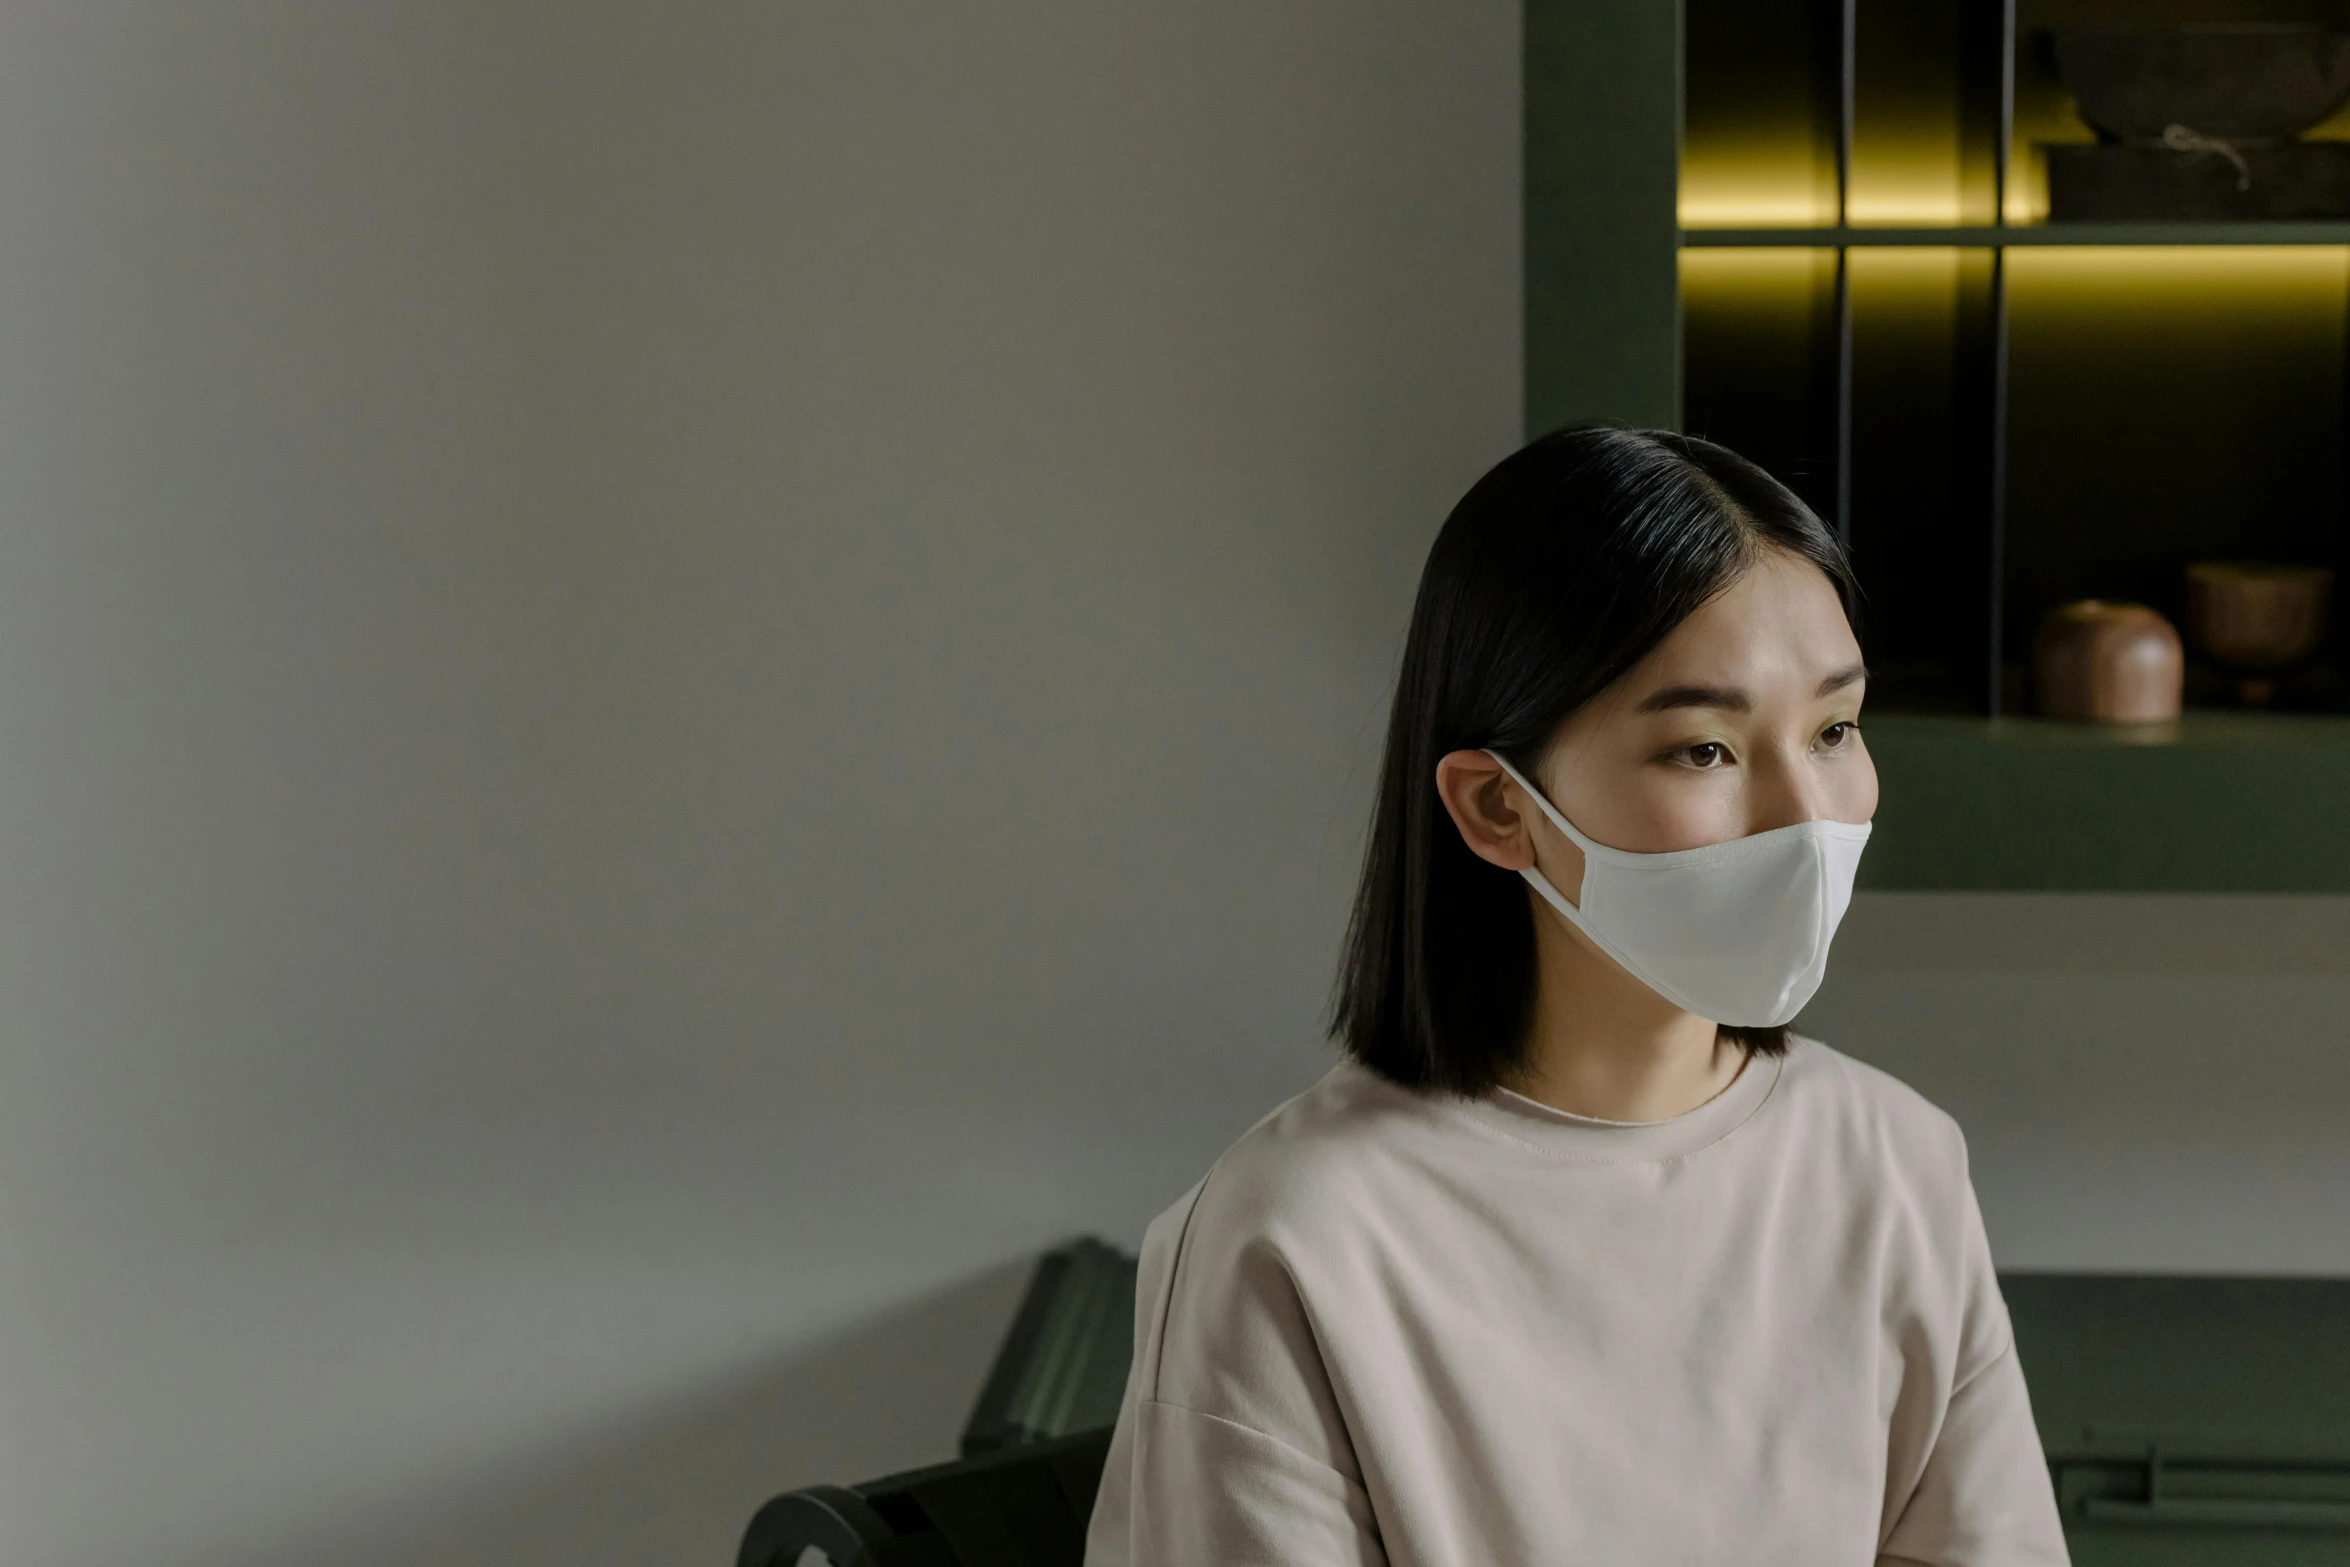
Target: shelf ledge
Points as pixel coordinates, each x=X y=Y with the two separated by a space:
x=1997 y=237
x=2220 y=802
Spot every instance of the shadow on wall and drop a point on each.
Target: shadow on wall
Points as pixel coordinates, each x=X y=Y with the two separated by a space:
x=675 y=1487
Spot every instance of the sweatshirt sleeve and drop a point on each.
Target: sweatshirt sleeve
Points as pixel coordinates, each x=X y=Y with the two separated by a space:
x=1193 y=1490
x=1185 y=1488
x=1983 y=1498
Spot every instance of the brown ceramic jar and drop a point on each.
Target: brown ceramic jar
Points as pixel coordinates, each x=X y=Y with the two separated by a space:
x=2108 y=663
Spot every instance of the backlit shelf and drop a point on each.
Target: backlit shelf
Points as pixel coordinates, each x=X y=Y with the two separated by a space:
x=1989 y=236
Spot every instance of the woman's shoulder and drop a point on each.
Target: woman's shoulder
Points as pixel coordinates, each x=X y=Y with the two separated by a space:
x=1859 y=1088
x=1298 y=1191
x=1869 y=1114
x=1310 y=1154
x=1223 y=1324
x=1223 y=1321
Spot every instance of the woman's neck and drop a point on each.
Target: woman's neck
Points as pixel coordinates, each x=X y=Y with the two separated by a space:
x=1607 y=1046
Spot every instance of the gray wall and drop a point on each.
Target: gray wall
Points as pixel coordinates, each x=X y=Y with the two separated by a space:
x=673 y=680
x=2147 y=1083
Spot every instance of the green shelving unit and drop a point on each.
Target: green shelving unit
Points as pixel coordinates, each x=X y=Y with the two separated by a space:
x=1602 y=172
x=2224 y=801
x=2219 y=802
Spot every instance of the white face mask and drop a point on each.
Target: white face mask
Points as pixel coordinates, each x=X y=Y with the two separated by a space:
x=1735 y=932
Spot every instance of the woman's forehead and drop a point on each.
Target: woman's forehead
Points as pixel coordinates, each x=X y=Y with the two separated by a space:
x=1781 y=620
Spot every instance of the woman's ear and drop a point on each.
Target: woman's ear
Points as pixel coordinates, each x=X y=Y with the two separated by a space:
x=1485 y=805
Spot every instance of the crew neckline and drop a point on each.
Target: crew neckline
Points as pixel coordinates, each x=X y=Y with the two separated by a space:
x=1563 y=1132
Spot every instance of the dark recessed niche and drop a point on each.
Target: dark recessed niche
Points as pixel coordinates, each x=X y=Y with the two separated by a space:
x=2000 y=414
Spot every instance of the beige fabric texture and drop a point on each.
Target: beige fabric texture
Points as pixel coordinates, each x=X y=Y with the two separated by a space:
x=1427 y=1331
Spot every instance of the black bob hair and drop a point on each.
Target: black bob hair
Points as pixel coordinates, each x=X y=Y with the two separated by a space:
x=1559 y=571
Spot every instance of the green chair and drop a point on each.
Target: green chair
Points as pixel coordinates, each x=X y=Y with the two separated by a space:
x=1062 y=1368
x=1033 y=1447
x=1020 y=1507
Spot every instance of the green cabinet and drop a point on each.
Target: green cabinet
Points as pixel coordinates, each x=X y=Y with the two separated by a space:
x=1603 y=157
x=1998 y=412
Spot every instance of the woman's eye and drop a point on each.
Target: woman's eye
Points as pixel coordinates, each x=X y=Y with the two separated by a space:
x=1706 y=753
x=1836 y=734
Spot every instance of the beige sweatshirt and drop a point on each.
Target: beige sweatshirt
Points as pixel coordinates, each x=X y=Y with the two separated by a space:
x=1390 y=1327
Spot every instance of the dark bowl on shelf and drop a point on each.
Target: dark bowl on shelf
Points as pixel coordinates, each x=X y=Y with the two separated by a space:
x=2238 y=83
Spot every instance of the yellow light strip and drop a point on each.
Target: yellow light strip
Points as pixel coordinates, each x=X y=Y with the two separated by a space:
x=1756 y=187
x=2269 y=272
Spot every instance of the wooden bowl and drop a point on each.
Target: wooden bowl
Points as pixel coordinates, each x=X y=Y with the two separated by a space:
x=2108 y=663
x=2257 y=618
x=2255 y=82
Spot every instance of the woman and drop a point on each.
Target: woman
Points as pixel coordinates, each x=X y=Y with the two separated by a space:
x=1580 y=1256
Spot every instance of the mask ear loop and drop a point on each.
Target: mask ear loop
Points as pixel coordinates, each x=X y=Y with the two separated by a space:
x=1568 y=907
x=1557 y=817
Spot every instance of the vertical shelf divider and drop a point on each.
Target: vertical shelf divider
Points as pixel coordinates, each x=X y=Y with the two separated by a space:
x=2003 y=155
x=1847 y=116
x=1988 y=142
x=1997 y=498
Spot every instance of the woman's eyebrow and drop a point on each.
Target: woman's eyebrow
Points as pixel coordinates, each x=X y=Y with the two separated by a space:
x=1852 y=675
x=1728 y=698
